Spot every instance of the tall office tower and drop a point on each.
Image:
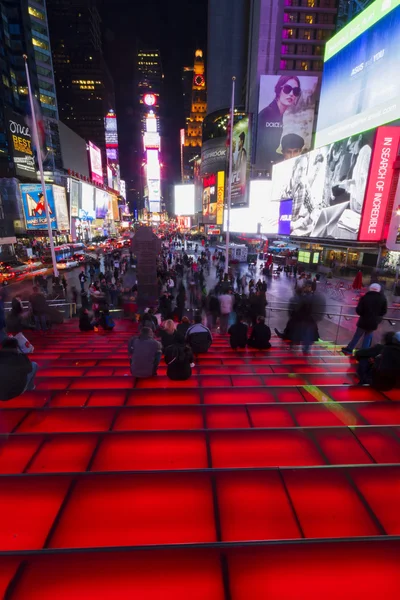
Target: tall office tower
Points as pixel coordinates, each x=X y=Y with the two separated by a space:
x=193 y=131
x=149 y=84
x=287 y=36
x=348 y=9
x=187 y=80
x=228 y=29
x=25 y=31
x=85 y=90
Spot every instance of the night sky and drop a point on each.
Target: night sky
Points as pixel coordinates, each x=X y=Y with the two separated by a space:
x=177 y=28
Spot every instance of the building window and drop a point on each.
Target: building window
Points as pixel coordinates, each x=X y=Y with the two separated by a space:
x=326 y=19
x=40 y=44
x=34 y=12
x=310 y=19
x=305 y=34
x=317 y=65
x=303 y=65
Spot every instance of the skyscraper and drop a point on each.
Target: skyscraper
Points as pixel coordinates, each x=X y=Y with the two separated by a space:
x=194 y=121
x=85 y=89
x=25 y=31
x=149 y=84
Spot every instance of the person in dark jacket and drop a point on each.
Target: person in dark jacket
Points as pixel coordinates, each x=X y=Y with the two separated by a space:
x=183 y=327
x=238 y=333
x=379 y=366
x=260 y=335
x=198 y=337
x=180 y=301
x=371 y=308
x=39 y=308
x=169 y=335
x=145 y=353
x=17 y=372
x=179 y=361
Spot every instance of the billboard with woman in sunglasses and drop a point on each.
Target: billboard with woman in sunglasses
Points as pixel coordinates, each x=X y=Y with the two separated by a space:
x=285 y=118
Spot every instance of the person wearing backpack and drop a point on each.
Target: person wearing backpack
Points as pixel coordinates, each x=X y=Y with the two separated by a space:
x=179 y=361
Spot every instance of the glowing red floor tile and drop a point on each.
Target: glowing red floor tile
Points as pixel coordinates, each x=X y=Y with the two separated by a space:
x=112 y=362
x=341 y=447
x=282 y=380
x=164 y=382
x=218 y=370
x=65 y=420
x=130 y=452
x=319 y=571
x=270 y=416
x=64 y=372
x=319 y=415
x=393 y=395
x=246 y=381
x=121 y=575
x=55 y=383
x=380 y=413
x=327 y=505
x=10 y=418
x=126 y=371
x=16 y=452
x=69 y=398
x=8 y=568
x=328 y=379
x=162 y=397
x=64 y=454
x=188 y=417
x=98 y=383
x=107 y=398
x=220 y=417
x=100 y=371
x=289 y=395
x=354 y=394
x=27 y=399
x=124 y=511
x=381 y=489
x=216 y=381
x=238 y=396
x=381 y=444
x=28 y=508
x=262 y=449
x=254 y=506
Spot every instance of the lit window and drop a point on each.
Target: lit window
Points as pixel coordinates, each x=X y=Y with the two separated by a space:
x=309 y=19
x=304 y=66
x=35 y=13
x=23 y=90
x=40 y=44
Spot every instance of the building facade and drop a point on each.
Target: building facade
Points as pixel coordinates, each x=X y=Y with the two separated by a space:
x=149 y=84
x=85 y=90
x=194 y=121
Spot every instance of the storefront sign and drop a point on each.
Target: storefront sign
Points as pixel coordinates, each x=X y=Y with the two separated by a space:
x=379 y=184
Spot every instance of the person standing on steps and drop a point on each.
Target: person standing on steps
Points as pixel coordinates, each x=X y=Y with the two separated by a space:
x=82 y=279
x=371 y=309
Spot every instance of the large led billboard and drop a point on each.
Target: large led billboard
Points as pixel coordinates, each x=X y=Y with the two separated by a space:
x=20 y=145
x=96 y=163
x=35 y=211
x=87 y=210
x=241 y=146
x=360 y=83
x=286 y=111
x=326 y=188
x=261 y=215
x=102 y=203
x=184 y=199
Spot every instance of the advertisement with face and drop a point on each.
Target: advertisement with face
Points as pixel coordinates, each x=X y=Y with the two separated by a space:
x=96 y=163
x=360 y=84
x=102 y=203
x=327 y=188
x=34 y=206
x=210 y=198
x=286 y=111
x=241 y=145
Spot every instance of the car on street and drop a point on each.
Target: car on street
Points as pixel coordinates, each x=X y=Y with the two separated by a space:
x=6 y=273
x=67 y=263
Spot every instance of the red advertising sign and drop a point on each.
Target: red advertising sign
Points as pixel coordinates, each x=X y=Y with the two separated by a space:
x=379 y=184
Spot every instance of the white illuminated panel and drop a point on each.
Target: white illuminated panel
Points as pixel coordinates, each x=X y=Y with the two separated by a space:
x=151 y=140
x=151 y=124
x=153 y=164
x=260 y=210
x=184 y=199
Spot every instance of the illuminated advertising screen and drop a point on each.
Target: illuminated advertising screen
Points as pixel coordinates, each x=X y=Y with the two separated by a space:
x=261 y=215
x=213 y=156
x=111 y=132
x=115 y=208
x=60 y=204
x=102 y=201
x=327 y=188
x=220 y=197
x=379 y=184
x=74 y=188
x=241 y=162
x=286 y=111
x=285 y=216
x=34 y=206
x=122 y=188
x=304 y=257
x=210 y=198
x=87 y=202
x=153 y=164
x=360 y=84
x=315 y=258
x=20 y=145
x=154 y=190
x=95 y=164
x=184 y=199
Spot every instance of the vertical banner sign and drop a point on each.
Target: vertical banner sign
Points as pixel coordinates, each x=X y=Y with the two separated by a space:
x=20 y=141
x=240 y=162
x=220 y=197
x=379 y=184
x=393 y=238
